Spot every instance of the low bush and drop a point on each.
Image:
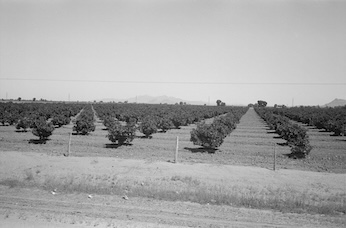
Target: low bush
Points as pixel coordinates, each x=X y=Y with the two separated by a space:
x=108 y=121
x=84 y=127
x=165 y=124
x=60 y=120
x=207 y=135
x=179 y=120
x=120 y=134
x=43 y=129
x=23 y=123
x=148 y=126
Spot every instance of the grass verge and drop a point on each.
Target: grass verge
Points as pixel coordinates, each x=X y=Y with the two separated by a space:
x=178 y=188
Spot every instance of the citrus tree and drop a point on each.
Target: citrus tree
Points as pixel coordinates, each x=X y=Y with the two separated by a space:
x=43 y=129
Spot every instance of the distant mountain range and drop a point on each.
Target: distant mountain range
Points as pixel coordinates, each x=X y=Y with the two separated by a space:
x=146 y=99
x=336 y=102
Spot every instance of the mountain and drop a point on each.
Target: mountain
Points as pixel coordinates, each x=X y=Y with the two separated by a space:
x=336 y=102
x=146 y=99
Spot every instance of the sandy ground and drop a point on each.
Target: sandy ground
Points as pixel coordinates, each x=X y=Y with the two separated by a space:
x=41 y=208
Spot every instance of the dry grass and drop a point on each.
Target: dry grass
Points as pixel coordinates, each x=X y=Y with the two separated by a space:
x=185 y=188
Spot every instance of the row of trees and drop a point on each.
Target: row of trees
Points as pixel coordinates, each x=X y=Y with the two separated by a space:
x=260 y=103
x=178 y=114
x=123 y=120
x=220 y=103
x=12 y=113
x=40 y=118
x=295 y=135
x=211 y=136
x=330 y=119
x=85 y=121
x=39 y=125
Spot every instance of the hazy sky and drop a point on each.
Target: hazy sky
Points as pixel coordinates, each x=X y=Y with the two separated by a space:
x=236 y=51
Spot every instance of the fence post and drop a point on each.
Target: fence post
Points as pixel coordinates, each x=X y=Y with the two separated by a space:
x=176 y=150
x=274 y=165
x=69 y=145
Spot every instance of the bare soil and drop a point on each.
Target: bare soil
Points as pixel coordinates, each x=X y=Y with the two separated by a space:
x=20 y=206
x=34 y=208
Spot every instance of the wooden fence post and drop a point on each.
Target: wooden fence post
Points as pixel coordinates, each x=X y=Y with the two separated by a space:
x=69 y=145
x=176 y=150
x=274 y=165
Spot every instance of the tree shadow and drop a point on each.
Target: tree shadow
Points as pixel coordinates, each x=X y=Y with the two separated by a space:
x=38 y=141
x=201 y=150
x=75 y=133
x=21 y=131
x=323 y=130
x=282 y=144
x=144 y=137
x=161 y=131
x=271 y=132
x=335 y=135
x=115 y=145
x=295 y=155
x=341 y=140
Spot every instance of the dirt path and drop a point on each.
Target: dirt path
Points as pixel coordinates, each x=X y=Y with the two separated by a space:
x=252 y=144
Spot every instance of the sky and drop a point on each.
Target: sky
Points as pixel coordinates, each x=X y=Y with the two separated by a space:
x=238 y=51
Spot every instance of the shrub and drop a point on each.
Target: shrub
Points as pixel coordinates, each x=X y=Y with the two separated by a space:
x=301 y=148
x=35 y=118
x=23 y=123
x=10 y=118
x=165 y=124
x=61 y=120
x=207 y=135
x=225 y=124
x=84 y=126
x=148 y=126
x=43 y=129
x=212 y=135
x=179 y=120
x=121 y=134
x=108 y=121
